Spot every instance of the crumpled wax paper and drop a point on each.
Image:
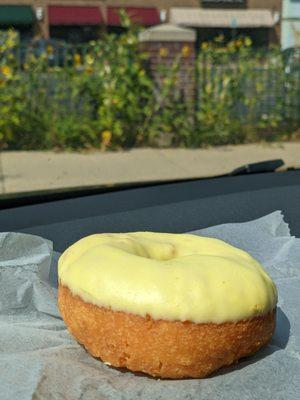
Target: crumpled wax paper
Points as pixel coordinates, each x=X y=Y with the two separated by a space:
x=40 y=360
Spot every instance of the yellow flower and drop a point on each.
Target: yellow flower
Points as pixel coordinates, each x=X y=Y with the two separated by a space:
x=77 y=59
x=238 y=43
x=142 y=72
x=248 y=42
x=106 y=137
x=115 y=101
x=6 y=71
x=175 y=80
x=204 y=46
x=163 y=52
x=49 y=49
x=230 y=47
x=129 y=40
x=89 y=70
x=89 y=59
x=10 y=43
x=32 y=59
x=208 y=88
x=259 y=86
x=220 y=38
x=186 y=51
x=13 y=36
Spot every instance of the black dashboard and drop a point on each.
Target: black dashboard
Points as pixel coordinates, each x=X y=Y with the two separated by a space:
x=173 y=207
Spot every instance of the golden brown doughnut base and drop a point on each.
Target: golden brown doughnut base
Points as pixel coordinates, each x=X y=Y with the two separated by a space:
x=166 y=349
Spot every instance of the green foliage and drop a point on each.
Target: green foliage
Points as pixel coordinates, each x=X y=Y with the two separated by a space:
x=103 y=96
x=242 y=93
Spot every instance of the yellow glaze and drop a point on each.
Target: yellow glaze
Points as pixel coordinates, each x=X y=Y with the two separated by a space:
x=167 y=276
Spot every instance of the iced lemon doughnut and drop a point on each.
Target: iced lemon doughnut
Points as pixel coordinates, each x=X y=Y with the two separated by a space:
x=169 y=305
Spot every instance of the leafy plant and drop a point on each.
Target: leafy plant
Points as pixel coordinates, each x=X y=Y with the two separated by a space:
x=104 y=95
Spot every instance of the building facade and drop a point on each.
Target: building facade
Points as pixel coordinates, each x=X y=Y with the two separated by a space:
x=259 y=20
x=83 y=20
x=290 y=31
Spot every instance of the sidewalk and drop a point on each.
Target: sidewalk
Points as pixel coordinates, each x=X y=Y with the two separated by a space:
x=29 y=170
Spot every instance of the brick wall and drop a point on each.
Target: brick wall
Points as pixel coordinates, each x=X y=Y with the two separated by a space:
x=166 y=53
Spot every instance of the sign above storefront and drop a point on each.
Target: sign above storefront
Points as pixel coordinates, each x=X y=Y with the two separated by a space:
x=224 y=3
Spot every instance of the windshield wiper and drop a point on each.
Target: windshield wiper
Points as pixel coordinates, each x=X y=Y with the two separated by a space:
x=258 y=167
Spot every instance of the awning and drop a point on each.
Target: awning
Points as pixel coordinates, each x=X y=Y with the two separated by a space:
x=222 y=18
x=141 y=15
x=16 y=15
x=67 y=15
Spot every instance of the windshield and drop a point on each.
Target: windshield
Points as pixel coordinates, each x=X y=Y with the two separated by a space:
x=107 y=95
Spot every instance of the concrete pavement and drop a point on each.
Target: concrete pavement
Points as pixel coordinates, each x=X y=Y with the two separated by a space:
x=36 y=170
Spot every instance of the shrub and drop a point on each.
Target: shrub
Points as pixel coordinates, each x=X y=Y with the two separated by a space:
x=103 y=96
x=242 y=94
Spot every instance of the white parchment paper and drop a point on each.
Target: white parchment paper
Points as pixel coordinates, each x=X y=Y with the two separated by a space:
x=40 y=360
